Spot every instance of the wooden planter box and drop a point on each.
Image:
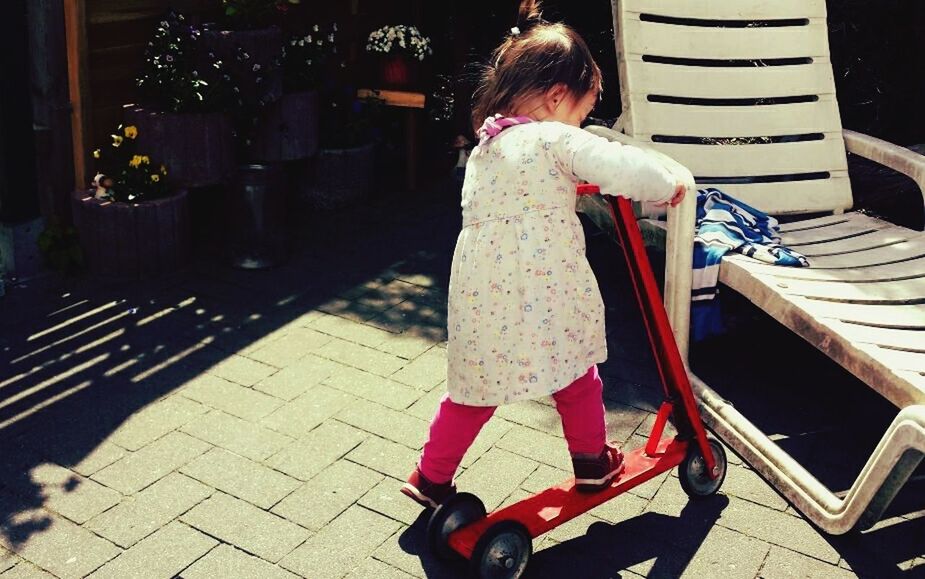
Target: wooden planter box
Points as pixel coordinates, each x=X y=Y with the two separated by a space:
x=132 y=240
x=197 y=148
x=289 y=130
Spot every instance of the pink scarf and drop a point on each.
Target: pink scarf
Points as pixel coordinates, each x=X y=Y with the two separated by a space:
x=495 y=124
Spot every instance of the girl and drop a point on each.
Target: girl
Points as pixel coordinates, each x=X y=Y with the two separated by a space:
x=525 y=315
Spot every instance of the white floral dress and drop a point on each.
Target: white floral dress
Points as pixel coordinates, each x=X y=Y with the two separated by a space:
x=525 y=315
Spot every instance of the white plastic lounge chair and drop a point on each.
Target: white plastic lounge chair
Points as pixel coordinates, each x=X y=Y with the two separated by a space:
x=694 y=76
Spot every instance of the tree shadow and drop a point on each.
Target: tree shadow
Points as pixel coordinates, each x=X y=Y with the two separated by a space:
x=82 y=356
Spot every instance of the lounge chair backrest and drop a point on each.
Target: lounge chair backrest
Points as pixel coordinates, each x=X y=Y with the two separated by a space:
x=739 y=91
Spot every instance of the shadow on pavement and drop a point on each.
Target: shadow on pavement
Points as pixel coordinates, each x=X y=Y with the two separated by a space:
x=81 y=357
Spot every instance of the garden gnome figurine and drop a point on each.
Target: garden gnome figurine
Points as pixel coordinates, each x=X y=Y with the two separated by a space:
x=461 y=144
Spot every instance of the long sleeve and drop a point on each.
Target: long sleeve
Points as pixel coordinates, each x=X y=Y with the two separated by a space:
x=616 y=168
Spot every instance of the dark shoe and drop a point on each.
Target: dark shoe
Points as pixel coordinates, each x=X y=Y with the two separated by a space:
x=594 y=474
x=426 y=493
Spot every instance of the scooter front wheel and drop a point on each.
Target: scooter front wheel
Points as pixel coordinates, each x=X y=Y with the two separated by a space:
x=460 y=510
x=502 y=552
x=692 y=472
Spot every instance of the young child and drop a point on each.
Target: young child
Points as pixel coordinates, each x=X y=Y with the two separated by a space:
x=525 y=315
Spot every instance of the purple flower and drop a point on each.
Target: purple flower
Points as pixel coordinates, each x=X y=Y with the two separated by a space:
x=168 y=58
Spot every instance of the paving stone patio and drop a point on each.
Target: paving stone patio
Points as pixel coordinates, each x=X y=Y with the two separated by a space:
x=220 y=423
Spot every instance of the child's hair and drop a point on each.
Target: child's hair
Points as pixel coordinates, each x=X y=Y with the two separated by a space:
x=534 y=57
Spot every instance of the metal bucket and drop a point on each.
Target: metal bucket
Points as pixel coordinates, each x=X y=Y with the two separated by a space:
x=257 y=209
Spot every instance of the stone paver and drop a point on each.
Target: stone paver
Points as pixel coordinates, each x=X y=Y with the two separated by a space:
x=341 y=546
x=496 y=475
x=240 y=477
x=350 y=330
x=156 y=420
x=99 y=458
x=230 y=397
x=239 y=436
x=372 y=568
x=783 y=563
x=408 y=345
x=160 y=556
x=390 y=424
x=362 y=357
x=65 y=492
x=425 y=371
x=385 y=456
x=296 y=378
x=295 y=345
x=745 y=483
x=227 y=562
x=386 y=499
x=140 y=515
x=533 y=415
x=25 y=570
x=305 y=413
x=327 y=495
x=7 y=559
x=754 y=520
x=538 y=446
x=54 y=543
x=242 y=370
x=491 y=433
x=317 y=450
x=140 y=469
x=246 y=527
x=375 y=388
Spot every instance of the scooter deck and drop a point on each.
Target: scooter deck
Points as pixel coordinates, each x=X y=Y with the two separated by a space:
x=556 y=505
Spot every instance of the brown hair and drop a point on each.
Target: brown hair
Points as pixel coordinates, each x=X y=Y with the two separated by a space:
x=532 y=59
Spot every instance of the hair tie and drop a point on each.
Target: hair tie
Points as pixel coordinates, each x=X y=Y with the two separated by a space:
x=515 y=31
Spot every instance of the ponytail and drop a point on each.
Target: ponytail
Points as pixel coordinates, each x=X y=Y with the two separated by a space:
x=534 y=57
x=529 y=15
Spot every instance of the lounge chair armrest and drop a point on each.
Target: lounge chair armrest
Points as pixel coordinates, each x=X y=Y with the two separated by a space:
x=895 y=157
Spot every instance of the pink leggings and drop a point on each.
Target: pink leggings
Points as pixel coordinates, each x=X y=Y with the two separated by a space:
x=455 y=426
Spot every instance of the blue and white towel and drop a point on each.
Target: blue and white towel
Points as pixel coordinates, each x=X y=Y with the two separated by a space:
x=726 y=224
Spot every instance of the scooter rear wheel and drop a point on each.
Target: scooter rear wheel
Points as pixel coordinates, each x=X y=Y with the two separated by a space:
x=457 y=512
x=692 y=472
x=502 y=552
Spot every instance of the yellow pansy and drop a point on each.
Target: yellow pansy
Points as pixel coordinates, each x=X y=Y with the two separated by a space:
x=145 y=159
x=131 y=131
x=136 y=161
x=96 y=154
x=163 y=170
x=116 y=140
x=155 y=177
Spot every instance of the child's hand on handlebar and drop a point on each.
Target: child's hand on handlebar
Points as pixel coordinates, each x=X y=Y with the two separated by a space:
x=679 y=191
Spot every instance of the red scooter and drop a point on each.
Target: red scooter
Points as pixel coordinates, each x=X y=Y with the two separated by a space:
x=499 y=544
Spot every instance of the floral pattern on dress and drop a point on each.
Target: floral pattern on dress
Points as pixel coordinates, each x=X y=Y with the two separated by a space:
x=525 y=314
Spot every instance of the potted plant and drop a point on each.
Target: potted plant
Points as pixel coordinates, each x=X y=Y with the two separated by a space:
x=345 y=163
x=185 y=95
x=400 y=48
x=288 y=130
x=132 y=223
x=249 y=40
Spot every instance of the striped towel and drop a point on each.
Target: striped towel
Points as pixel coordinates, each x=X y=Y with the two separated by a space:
x=726 y=224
